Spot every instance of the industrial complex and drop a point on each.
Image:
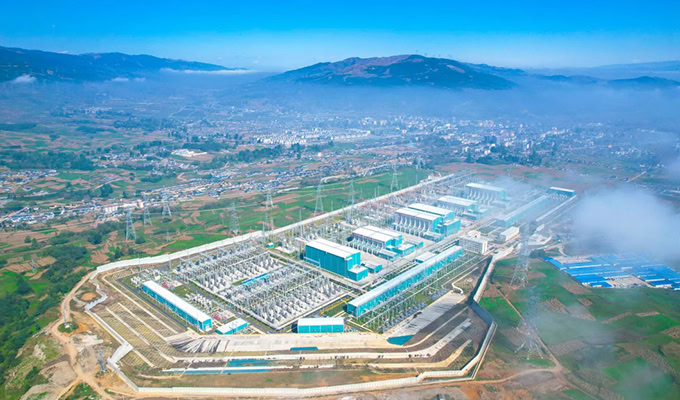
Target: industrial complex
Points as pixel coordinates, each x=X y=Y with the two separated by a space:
x=374 y=287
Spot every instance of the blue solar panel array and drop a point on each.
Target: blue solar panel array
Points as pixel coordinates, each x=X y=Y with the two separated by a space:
x=599 y=269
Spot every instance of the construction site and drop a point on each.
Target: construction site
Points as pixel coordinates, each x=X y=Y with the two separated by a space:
x=380 y=294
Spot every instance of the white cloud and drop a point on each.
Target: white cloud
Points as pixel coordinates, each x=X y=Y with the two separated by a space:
x=629 y=219
x=120 y=79
x=24 y=79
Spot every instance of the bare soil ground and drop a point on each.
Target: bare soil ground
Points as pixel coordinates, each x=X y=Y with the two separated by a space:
x=285 y=199
x=555 y=305
x=585 y=302
x=618 y=317
x=576 y=288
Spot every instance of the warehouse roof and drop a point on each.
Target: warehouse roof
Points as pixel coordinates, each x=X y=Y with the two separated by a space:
x=396 y=281
x=417 y=214
x=177 y=301
x=442 y=212
x=320 y=321
x=559 y=189
x=232 y=325
x=332 y=248
x=375 y=233
x=485 y=187
x=457 y=200
x=516 y=212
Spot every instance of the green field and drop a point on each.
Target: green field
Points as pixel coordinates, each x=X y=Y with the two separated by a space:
x=502 y=311
x=632 y=356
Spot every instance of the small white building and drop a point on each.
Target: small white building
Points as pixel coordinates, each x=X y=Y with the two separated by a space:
x=508 y=234
x=474 y=243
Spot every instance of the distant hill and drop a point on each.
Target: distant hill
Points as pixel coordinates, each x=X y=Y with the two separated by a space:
x=642 y=82
x=402 y=70
x=661 y=69
x=49 y=66
x=416 y=70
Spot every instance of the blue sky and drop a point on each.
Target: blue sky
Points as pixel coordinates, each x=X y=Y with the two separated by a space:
x=287 y=34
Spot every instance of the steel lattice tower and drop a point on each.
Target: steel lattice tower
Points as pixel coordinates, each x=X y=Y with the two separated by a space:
x=519 y=277
x=268 y=206
x=34 y=263
x=129 y=227
x=395 y=182
x=166 y=207
x=350 y=209
x=528 y=330
x=147 y=215
x=318 y=207
x=234 y=223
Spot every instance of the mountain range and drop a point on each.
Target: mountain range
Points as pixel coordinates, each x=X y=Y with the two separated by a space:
x=396 y=71
x=402 y=70
x=416 y=70
x=49 y=66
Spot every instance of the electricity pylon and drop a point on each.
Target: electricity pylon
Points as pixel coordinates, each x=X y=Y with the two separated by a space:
x=234 y=224
x=318 y=207
x=130 y=227
x=166 y=206
x=350 y=202
x=147 y=215
x=395 y=182
x=519 y=276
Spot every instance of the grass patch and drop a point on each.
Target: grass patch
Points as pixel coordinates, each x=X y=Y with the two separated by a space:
x=501 y=311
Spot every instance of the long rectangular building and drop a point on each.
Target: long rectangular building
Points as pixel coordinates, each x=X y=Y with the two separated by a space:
x=384 y=243
x=458 y=204
x=178 y=305
x=484 y=193
x=520 y=213
x=378 y=237
x=321 y=325
x=342 y=260
x=401 y=282
x=442 y=212
x=427 y=221
x=232 y=327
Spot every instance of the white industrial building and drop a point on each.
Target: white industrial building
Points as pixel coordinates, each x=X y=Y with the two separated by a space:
x=484 y=193
x=508 y=234
x=457 y=204
x=473 y=242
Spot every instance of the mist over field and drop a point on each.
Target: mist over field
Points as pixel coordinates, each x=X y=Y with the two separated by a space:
x=628 y=219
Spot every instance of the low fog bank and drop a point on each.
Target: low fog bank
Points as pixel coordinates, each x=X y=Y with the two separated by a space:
x=549 y=102
x=627 y=219
x=673 y=169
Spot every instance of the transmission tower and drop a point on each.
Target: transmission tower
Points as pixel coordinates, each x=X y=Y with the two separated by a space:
x=519 y=277
x=234 y=224
x=269 y=205
x=166 y=206
x=34 y=263
x=395 y=182
x=147 y=215
x=129 y=227
x=350 y=202
x=318 y=208
x=528 y=330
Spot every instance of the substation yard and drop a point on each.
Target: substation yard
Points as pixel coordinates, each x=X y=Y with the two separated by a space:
x=413 y=319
